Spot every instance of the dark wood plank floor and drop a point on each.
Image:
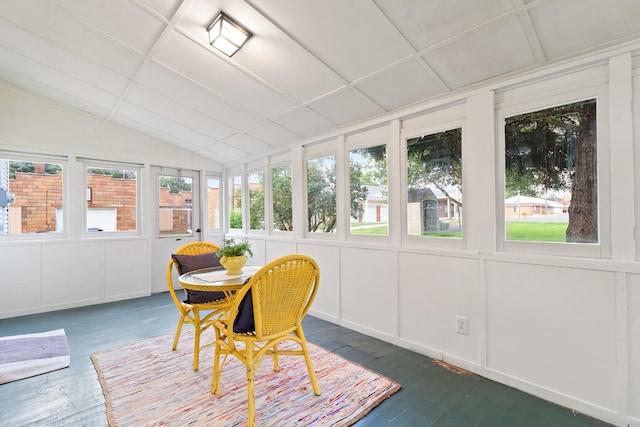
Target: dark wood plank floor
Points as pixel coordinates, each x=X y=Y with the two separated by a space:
x=431 y=395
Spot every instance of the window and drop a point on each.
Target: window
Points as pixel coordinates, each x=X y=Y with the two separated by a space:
x=256 y=200
x=434 y=184
x=369 y=210
x=31 y=196
x=281 y=182
x=321 y=195
x=176 y=205
x=111 y=199
x=213 y=203
x=550 y=174
x=235 y=202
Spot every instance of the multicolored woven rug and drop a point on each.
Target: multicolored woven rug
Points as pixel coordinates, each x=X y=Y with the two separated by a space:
x=24 y=356
x=147 y=384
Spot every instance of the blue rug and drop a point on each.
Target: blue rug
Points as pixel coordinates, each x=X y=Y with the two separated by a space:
x=24 y=356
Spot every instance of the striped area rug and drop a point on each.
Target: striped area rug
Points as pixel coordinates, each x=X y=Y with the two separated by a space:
x=24 y=356
x=147 y=384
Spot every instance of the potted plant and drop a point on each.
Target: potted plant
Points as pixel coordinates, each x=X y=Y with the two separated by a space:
x=233 y=255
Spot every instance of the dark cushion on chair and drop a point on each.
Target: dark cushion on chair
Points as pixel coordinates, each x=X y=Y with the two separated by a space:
x=187 y=263
x=244 y=320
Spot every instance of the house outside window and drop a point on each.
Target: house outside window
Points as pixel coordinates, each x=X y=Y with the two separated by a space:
x=434 y=185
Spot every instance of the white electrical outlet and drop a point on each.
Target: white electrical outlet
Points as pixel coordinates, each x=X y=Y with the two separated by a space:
x=462 y=325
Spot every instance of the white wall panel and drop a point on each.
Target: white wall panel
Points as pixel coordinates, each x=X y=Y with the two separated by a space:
x=554 y=327
x=72 y=273
x=20 y=272
x=327 y=302
x=368 y=296
x=433 y=290
x=277 y=249
x=633 y=335
x=126 y=268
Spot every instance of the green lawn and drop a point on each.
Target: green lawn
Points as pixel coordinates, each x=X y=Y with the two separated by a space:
x=523 y=230
x=370 y=228
x=537 y=231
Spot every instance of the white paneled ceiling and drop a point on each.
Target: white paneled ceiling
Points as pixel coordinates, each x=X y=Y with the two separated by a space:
x=311 y=67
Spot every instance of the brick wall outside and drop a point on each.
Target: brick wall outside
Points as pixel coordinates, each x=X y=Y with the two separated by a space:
x=39 y=194
x=108 y=192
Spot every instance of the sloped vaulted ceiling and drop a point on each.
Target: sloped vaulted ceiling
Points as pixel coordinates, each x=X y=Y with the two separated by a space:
x=312 y=66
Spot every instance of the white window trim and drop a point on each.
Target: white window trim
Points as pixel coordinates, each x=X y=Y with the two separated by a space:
x=602 y=249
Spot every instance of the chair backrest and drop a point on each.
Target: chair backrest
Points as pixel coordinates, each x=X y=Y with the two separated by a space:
x=193 y=248
x=282 y=293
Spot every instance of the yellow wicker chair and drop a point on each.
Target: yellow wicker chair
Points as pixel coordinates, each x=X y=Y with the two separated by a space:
x=191 y=313
x=282 y=292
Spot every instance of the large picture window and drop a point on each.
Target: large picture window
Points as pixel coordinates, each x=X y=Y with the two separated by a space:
x=321 y=195
x=550 y=180
x=31 y=197
x=434 y=185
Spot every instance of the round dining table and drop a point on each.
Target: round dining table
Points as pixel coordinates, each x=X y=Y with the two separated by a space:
x=217 y=279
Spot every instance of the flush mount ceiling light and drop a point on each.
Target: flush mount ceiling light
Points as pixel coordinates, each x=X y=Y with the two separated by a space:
x=226 y=35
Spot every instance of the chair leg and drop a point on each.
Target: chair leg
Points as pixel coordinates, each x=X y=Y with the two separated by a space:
x=307 y=359
x=276 y=361
x=197 y=326
x=251 y=413
x=178 y=331
x=196 y=347
x=217 y=365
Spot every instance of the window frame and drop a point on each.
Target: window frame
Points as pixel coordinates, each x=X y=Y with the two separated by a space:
x=312 y=152
x=431 y=123
x=359 y=141
x=601 y=249
x=250 y=171
x=99 y=164
x=229 y=197
x=206 y=206
x=277 y=162
x=66 y=205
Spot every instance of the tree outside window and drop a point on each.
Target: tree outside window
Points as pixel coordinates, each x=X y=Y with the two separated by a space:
x=551 y=174
x=256 y=201
x=281 y=182
x=434 y=185
x=235 y=202
x=321 y=194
